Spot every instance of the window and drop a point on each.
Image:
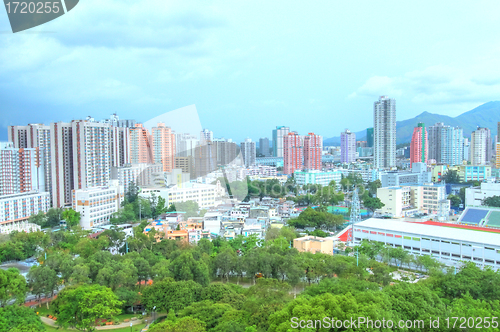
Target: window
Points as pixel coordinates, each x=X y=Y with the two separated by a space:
x=435 y=252
x=415 y=238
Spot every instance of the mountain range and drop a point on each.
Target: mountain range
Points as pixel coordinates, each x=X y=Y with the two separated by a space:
x=486 y=115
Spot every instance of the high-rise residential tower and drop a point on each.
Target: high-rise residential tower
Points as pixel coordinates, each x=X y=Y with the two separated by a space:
x=369 y=137
x=419 y=145
x=480 y=147
x=226 y=151
x=278 y=134
x=19 y=170
x=61 y=147
x=497 y=143
x=264 y=147
x=140 y=145
x=163 y=145
x=91 y=154
x=347 y=147
x=35 y=136
x=248 y=152
x=292 y=153
x=313 y=148
x=206 y=135
x=446 y=144
x=384 y=133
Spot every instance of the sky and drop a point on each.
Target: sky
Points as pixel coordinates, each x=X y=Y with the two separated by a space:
x=249 y=66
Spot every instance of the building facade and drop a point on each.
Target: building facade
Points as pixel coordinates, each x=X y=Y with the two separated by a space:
x=264 y=147
x=17 y=208
x=480 y=147
x=318 y=177
x=419 y=145
x=347 y=147
x=384 y=133
x=451 y=246
x=313 y=147
x=140 y=145
x=98 y=204
x=248 y=152
x=446 y=144
x=163 y=145
x=278 y=135
x=292 y=153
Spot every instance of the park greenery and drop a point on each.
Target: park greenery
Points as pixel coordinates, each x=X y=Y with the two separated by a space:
x=216 y=285
x=493 y=201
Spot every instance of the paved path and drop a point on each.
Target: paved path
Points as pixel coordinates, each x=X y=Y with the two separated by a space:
x=51 y=322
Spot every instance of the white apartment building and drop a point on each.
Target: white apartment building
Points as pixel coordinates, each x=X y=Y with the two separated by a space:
x=17 y=208
x=204 y=194
x=120 y=146
x=480 y=147
x=96 y=205
x=474 y=196
x=91 y=154
x=384 y=133
x=35 y=136
x=20 y=171
x=447 y=244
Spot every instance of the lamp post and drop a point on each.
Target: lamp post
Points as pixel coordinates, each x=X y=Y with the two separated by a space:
x=357 y=257
x=154 y=313
x=130 y=326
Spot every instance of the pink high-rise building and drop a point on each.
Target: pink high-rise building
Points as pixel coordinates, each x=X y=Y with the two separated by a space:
x=292 y=153
x=140 y=145
x=313 y=146
x=419 y=145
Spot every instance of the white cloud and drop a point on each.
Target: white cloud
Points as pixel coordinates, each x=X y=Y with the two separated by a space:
x=438 y=85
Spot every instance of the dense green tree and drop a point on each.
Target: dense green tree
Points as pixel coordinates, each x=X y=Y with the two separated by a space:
x=186 y=267
x=373 y=203
x=493 y=201
x=14 y=318
x=71 y=217
x=454 y=200
x=206 y=311
x=451 y=177
x=81 y=306
x=12 y=287
x=43 y=281
x=182 y=325
x=168 y=294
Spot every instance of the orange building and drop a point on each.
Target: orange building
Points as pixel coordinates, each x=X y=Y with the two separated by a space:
x=314 y=244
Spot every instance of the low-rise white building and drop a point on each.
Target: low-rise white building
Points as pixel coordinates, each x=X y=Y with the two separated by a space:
x=450 y=245
x=203 y=194
x=318 y=177
x=474 y=196
x=15 y=209
x=97 y=204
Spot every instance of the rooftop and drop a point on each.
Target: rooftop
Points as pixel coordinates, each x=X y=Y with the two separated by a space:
x=434 y=229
